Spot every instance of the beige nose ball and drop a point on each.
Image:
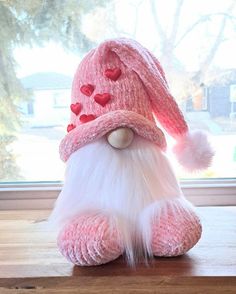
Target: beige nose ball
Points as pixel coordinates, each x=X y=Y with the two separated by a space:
x=120 y=138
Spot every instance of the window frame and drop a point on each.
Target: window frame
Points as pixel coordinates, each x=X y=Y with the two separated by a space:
x=42 y=195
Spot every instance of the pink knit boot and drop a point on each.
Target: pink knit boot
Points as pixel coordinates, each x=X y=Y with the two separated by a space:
x=175 y=231
x=90 y=240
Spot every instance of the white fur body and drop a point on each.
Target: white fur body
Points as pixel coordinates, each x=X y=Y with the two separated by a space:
x=129 y=184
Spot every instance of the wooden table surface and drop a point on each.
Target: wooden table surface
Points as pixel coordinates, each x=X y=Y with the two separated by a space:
x=30 y=262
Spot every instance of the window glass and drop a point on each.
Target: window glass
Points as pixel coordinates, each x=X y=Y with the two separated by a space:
x=42 y=43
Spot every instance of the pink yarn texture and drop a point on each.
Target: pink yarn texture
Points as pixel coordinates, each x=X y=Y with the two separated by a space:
x=175 y=232
x=93 y=239
x=89 y=240
x=120 y=83
x=125 y=202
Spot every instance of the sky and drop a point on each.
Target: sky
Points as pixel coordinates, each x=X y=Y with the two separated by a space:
x=31 y=60
x=96 y=24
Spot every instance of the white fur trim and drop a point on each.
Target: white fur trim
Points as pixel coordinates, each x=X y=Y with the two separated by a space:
x=194 y=151
x=122 y=183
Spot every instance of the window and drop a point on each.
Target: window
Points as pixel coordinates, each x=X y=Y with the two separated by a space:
x=194 y=40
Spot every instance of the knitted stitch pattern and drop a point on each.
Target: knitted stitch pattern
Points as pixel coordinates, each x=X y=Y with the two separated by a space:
x=118 y=84
x=90 y=240
x=175 y=231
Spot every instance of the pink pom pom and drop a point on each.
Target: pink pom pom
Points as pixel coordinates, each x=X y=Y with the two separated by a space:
x=194 y=151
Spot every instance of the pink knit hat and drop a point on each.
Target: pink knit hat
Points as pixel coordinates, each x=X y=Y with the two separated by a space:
x=120 y=83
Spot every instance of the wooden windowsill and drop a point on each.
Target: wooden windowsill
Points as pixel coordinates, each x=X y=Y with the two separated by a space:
x=30 y=262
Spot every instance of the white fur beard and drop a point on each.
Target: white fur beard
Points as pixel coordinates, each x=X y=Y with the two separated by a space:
x=122 y=183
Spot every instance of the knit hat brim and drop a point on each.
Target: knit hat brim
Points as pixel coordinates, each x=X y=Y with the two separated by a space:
x=95 y=129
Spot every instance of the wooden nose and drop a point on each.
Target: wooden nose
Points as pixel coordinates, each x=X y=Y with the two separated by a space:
x=120 y=138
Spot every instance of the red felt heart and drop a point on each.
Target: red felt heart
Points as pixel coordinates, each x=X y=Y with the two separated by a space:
x=113 y=74
x=76 y=108
x=87 y=89
x=70 y=127
x=102 y=99
x=84 y=118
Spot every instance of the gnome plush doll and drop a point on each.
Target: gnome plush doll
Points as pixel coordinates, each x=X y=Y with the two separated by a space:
x=120 y=195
